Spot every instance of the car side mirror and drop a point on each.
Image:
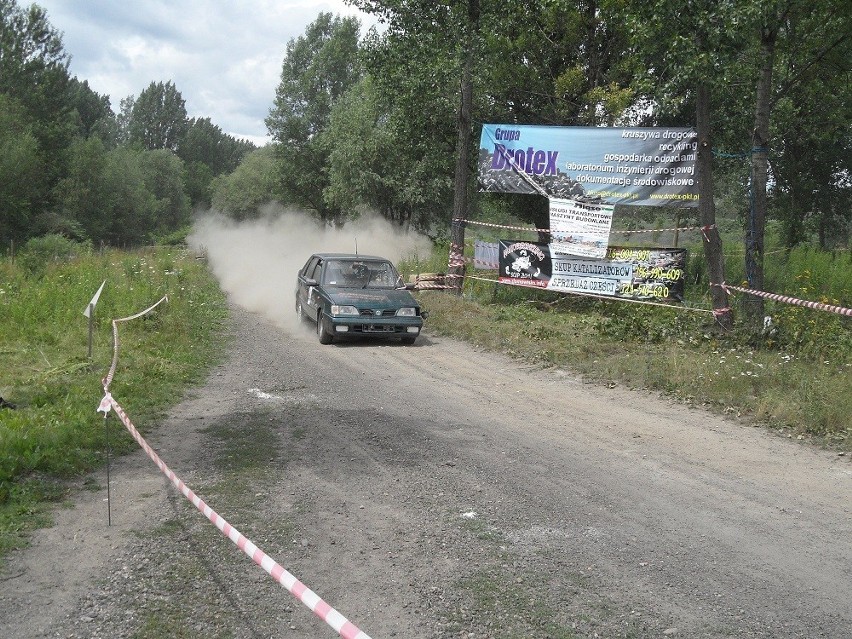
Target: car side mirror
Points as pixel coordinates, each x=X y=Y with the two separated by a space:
x=309 y=281
x=408 y=286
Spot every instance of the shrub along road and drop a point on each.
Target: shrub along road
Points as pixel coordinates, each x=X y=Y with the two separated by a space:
x=438 y=491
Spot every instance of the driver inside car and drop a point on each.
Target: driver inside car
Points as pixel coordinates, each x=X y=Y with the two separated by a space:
x=358 y=273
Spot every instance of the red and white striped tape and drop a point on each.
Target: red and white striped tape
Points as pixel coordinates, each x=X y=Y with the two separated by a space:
x=840 y=310
x=320 y=608
x=614 y=231
x=485 y=265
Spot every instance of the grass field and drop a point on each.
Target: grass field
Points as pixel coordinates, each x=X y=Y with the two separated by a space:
x=54 y=432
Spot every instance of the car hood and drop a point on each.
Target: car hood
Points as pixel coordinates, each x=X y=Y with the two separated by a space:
x=371 y=298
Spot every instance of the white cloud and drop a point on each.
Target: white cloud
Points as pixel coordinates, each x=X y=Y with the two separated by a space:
x=223 y=56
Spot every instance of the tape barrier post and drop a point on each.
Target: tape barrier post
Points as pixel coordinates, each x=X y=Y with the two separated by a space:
x=300 y=591
x=109 y=455
x=91 y=328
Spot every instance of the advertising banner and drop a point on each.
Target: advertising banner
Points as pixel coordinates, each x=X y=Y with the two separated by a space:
x=578 y=228
x=524 y=263
x=641 y=274
x=642 y=166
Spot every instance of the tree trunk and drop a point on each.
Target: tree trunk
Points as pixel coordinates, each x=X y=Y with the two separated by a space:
x=707 y=211
x=755 y=231
x=456 y=267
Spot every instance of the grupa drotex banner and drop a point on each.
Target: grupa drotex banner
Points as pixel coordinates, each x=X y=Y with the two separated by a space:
x=641 y=274
x=642 y=166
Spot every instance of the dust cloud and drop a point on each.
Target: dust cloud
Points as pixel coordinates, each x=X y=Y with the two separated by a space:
x=256 y=261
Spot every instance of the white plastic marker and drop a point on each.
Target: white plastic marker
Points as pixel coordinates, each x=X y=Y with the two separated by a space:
x=320 y=608
x=91 y=305
x=89 y=313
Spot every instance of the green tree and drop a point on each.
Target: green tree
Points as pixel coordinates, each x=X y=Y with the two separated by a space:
x=162 y=173
x=415 y=64
x=33 y=61
x=149 y=202
x=123 y=119
x=125 y=196
x=197 y=182
x=803 y=120
x=550 y=62
x=208 y=152
x=205 y=142
x=21 y=174
x=92 y=113
x=793 y=47
x=318 y=69
x=158 y=119
x=561 y=63
x=242 y=193
x=365 y=163
x=689 y=57
x=81 y=196
x=130 y=209
x=752 y=57
x=34 y=71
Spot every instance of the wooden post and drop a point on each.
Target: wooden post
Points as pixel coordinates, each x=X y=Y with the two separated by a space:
x=677 y=227
x=707 y=211
x=456 y=266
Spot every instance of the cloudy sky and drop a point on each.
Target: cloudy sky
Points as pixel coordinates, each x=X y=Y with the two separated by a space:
x=224 y=56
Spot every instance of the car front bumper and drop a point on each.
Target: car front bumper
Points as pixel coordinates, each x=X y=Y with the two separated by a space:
x=378 y=326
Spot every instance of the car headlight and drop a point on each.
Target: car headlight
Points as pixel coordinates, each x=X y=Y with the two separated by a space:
x=407 y=312
x=343 y=310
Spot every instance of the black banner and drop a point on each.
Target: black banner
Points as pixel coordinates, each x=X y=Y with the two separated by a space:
x=637 y=273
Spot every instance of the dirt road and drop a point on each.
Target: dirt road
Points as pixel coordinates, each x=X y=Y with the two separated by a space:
x=438 y=491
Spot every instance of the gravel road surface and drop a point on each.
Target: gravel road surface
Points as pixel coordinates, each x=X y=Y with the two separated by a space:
x=438 y=491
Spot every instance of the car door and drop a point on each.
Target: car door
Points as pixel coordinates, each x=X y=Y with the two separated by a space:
x=313 y=277
x=304 y=293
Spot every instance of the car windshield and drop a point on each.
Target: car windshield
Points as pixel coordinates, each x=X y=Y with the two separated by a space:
x=360 y=274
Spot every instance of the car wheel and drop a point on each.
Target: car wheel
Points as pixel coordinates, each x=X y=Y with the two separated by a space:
x=408 y=340
x=324 y=336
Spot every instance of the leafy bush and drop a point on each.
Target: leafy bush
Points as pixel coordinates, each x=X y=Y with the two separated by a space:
x=175 y=238
x=39 y=252
x=652 y=325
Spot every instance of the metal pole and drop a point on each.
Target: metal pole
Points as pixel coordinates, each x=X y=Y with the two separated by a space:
x=109 y=502
x=91 y=321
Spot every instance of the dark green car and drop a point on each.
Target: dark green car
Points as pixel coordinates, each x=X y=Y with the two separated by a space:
x=356 y=296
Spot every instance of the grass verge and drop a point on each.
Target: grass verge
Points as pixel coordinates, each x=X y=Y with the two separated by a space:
x=53 y=432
